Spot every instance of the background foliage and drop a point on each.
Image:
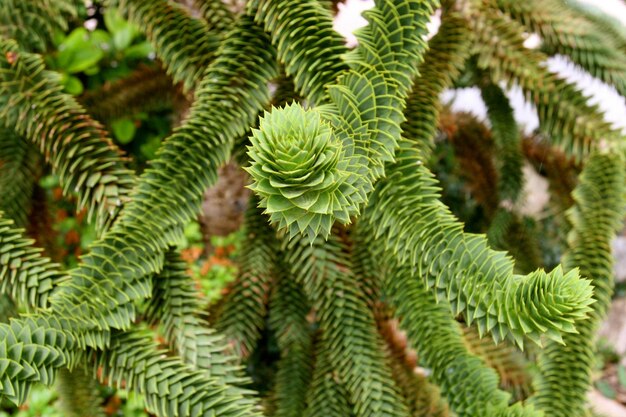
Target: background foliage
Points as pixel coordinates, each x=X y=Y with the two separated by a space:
x=385 y=246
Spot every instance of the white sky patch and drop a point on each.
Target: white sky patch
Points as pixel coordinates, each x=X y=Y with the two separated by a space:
x=91 y=24
x=615 y=8
x=532 y=41
x=349 y=18
x=434 y=24
x=466 y=100
x=604 y=96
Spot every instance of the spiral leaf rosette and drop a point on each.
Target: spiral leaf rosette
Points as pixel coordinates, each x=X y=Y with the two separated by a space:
x=300 y=172
x=554 y=303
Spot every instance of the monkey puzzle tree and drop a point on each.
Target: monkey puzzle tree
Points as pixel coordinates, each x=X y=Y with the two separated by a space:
x=345 y=231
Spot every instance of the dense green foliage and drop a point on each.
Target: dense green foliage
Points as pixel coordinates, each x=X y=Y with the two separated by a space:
x=352 y=271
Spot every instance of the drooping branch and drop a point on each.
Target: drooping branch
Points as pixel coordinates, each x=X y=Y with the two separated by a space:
x=567 y=30
x=565 y=114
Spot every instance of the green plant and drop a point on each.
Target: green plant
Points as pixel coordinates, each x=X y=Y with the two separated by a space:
x=346 y=226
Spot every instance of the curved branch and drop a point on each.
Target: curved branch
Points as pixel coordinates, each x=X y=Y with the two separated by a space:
x=312 y=167
x=564 y=111
x=77 y=147
x=34 y=23
x=185 y=45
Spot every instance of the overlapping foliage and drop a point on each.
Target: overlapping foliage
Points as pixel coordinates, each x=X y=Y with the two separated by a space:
x=346 y=231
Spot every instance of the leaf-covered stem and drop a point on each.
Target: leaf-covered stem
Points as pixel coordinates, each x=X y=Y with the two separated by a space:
x=78 y=148
x=147 y=88
x=25 y=275
x=312 y=167
x=469 y=385
x=33 y=23
x=569 y=30
x=169 y=387
x=565 y=113
x=289 y=308
x=600 y=199
x=414 y=227
x=242 y=315
x=99 y=294
x=19 y=170
x=347 y=325
x=177 y=306
x=306 y=43
x=186 y=45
